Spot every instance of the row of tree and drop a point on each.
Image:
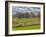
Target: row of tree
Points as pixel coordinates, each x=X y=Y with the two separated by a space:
x=27 y=15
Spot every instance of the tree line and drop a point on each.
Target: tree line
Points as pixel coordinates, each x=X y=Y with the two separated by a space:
x=27 y=15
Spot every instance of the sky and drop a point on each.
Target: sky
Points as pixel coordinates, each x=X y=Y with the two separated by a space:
x=24 y=9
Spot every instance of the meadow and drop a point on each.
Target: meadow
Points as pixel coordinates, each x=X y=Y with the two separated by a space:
x=25 y=23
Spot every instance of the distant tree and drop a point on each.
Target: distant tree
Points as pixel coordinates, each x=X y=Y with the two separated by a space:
x=38 y=14
x=17 y=14
x=21 y=15
x=32 y=14
x=27 y=15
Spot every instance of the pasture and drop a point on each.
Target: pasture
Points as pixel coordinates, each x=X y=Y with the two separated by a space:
x=33 y=27
x=25 y=23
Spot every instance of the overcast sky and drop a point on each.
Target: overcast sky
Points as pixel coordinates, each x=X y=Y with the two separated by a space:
x=24 y=9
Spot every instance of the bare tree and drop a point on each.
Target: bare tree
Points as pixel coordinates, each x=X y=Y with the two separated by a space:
x=39 y=15
x=32 y=15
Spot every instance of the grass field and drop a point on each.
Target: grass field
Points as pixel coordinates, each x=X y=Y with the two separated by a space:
x=26 y=21
x=33 y=27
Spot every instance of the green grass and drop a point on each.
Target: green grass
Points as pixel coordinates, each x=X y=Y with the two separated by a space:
x=25 y=21
x=33 y=27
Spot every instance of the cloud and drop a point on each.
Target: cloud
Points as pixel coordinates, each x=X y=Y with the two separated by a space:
x=24 y=9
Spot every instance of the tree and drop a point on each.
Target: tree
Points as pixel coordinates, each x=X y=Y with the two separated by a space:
x=38 y=14
x=32 y=14
x=27 y=15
